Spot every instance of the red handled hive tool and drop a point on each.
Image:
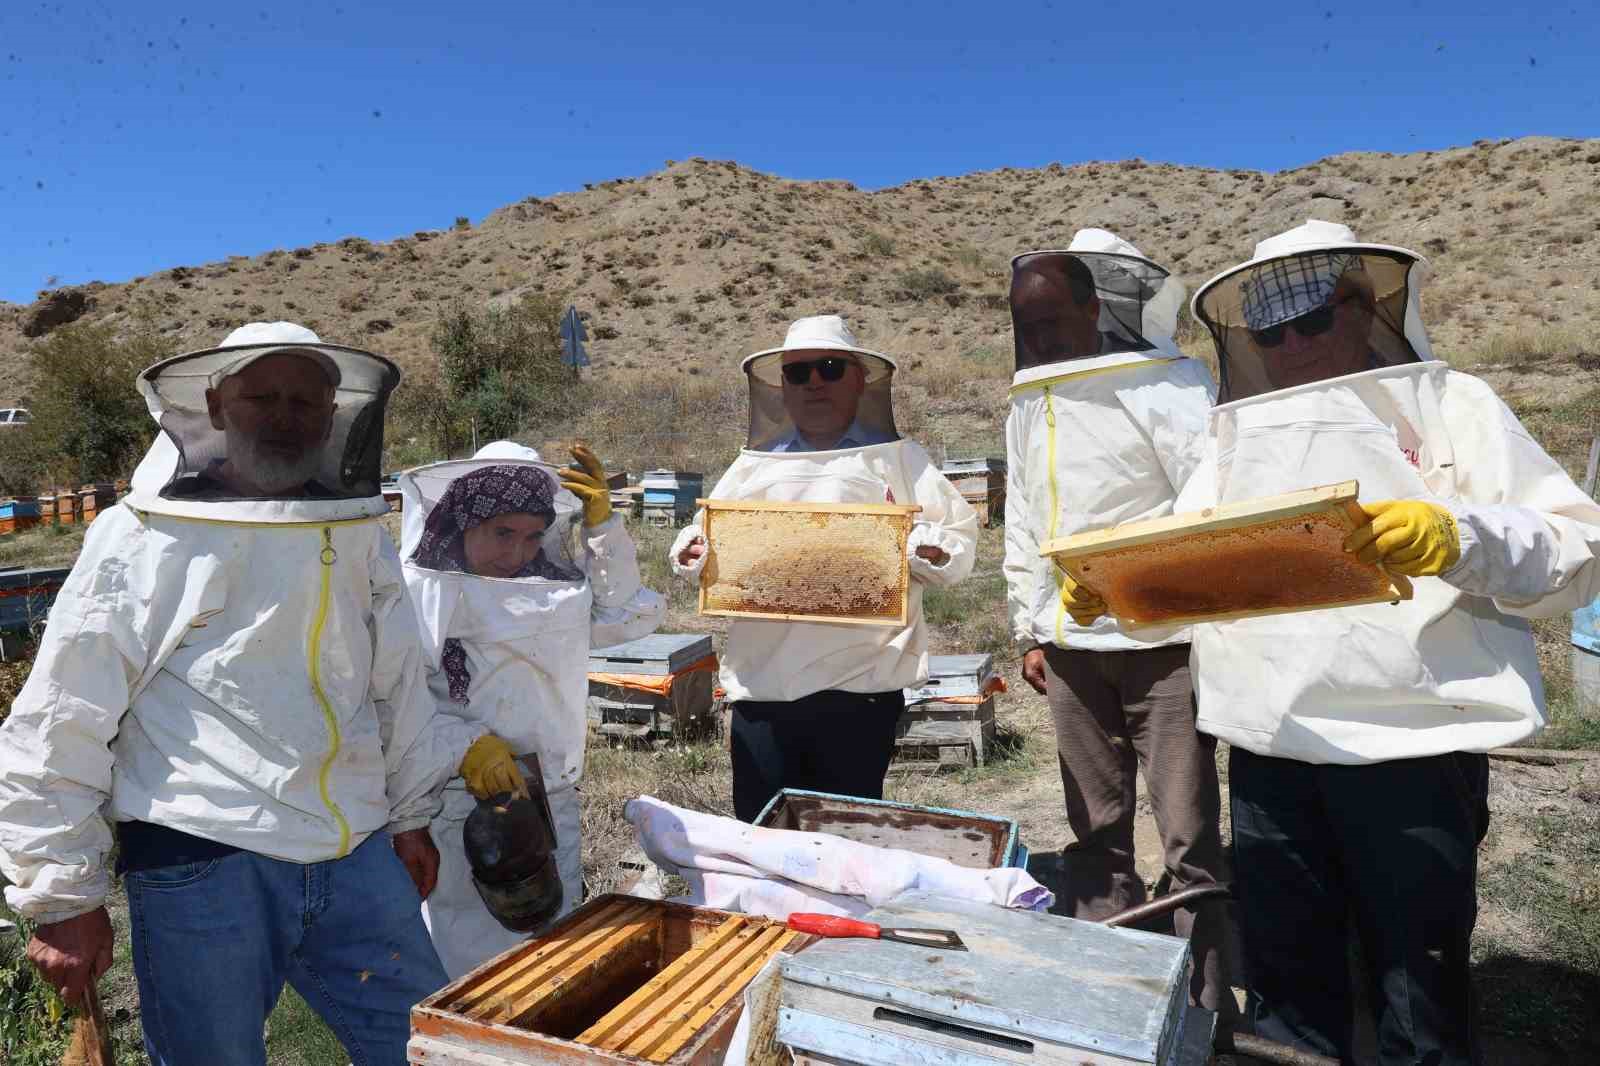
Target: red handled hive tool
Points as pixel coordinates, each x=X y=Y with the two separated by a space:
x=834 y=926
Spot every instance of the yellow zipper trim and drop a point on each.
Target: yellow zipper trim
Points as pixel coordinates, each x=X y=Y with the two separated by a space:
x=1055 y=501
x=327 y=524
x=314 y=670
x=1045 y=383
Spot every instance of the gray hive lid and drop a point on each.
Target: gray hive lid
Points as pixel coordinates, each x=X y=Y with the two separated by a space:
x=659 y=653
x=953 y=675
x=1062 y=986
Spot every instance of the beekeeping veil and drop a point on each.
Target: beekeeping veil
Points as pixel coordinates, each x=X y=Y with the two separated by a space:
x=814 y=413
x=1290 y=284
x=1098 y=296
x=328 y=463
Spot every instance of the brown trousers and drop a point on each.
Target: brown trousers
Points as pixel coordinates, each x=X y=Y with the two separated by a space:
x=1116 y=711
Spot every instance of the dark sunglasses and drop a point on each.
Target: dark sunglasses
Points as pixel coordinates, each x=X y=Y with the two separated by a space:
x=1313 y=323
x=831 y=368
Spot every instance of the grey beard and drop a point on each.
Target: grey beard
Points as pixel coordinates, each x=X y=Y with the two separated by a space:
x=270 y=474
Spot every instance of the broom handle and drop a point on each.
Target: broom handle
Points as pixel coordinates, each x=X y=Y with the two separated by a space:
x=92 y=1028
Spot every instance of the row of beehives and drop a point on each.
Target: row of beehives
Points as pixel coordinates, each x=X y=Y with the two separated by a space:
x=635 y=980
x=663 y=687
x=60 y=507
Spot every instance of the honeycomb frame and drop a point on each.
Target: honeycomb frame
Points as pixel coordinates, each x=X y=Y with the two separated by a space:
x=1282 y=554
x=754 y=574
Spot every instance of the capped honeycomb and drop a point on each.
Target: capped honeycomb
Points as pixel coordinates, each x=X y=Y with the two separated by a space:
x=807 y=562
x=1237 y=562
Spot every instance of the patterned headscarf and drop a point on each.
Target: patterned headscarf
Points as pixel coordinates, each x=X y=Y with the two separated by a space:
x=471 y=499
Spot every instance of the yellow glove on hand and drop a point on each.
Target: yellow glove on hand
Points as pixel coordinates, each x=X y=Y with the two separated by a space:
x=1081 y=602
x=1409 y=537
x=490 y=769
x=589 y=485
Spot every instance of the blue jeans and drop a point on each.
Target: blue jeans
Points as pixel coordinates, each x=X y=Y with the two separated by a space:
x=214 y=942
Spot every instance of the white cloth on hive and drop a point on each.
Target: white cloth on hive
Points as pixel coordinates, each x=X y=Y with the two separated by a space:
x=811 y=871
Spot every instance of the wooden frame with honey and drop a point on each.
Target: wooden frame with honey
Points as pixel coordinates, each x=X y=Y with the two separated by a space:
x=1093 y=559
x=899 y=521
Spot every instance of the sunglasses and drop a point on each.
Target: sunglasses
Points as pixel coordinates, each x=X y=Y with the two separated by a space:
x=1311 y=324
x=831 y=368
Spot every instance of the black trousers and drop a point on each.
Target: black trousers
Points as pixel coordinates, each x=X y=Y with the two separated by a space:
x=829 y=741
x=1391 y=846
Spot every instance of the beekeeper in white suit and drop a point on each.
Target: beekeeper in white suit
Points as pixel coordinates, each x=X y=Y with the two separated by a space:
x=815 y=705
x=516 y=569
x=1107 y=422
x=1357 y=776
x=231 y=690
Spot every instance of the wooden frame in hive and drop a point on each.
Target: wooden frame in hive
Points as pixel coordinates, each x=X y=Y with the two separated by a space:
x=620 y=980
x=1275 y=555
x=807 y=562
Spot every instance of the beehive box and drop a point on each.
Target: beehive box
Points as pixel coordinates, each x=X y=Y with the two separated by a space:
x=92 y=499
x=619 y=980
x=1269 y=556
x=26 y=596
x=976 y=841
x=21 y=512
x=982 y=483
x=1031 y=988
x=950 y=716
x=669 y=495
x=807 y=562
x=637 y=712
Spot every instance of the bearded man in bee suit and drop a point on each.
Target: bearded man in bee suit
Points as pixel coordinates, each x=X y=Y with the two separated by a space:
x=231 y=692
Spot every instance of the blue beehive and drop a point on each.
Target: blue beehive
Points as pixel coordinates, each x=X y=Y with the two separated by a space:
x=669 y=495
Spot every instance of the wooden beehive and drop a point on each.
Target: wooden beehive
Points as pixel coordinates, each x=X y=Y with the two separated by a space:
x=807 y=562
x=1269 y=556
x=620 y=980
x=982 y=483
x=638 y=712
x=976 y=841
x=950 y=716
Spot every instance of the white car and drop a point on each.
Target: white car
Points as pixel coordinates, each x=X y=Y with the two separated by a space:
x=14 y=416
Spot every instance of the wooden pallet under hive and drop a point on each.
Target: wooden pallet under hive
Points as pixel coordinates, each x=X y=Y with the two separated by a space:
x=1274 y=555
x=620 y=980
x=807 y=562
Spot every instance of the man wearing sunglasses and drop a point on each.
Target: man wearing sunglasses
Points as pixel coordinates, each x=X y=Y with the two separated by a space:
x=1357 y=770
x=822 y=392
x=815 y=705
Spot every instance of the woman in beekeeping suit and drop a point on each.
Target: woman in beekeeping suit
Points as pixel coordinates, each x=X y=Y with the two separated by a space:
x=516 y=569
x=1357 y=773
x=815 y=705
x=232 y=679
x=1107 y=422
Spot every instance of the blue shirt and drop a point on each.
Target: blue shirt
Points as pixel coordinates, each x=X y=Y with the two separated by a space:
x=856 y=436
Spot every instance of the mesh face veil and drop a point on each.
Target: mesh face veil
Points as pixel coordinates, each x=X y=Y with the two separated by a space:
x=1072 y=304
x=1313 y=315
x=819 y=391
x=269 y=421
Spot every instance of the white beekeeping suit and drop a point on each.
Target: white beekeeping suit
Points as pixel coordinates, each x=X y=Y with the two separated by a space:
x=870 y=463
x=244 y=670
x=1100 y=432
x=1454 y=668
x=525 y=642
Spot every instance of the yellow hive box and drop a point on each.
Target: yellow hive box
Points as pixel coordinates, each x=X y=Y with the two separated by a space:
x=1275 y=555
x=807 y=562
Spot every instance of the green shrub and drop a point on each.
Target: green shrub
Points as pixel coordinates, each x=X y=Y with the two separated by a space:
x=33 y=1021
x=924 y=283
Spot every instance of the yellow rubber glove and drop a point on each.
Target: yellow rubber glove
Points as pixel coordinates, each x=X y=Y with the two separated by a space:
x=589 y=485
x=1081 y=602
x=490 y=769
x=1409 y=537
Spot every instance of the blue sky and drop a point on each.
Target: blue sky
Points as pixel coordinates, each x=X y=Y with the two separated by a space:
x=145 y=135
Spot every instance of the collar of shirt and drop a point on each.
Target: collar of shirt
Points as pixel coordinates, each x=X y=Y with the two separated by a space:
x=856 y=436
